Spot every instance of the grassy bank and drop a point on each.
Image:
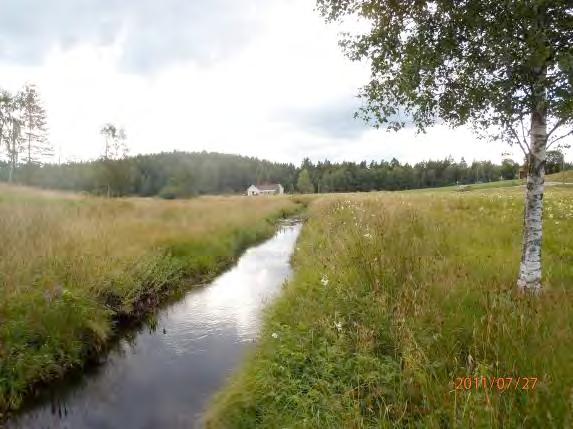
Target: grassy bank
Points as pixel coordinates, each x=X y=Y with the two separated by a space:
x=72 y=266
x=564 y=176
x=394 y=297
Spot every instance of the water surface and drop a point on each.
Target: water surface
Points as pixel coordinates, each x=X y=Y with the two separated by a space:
x=164 y=377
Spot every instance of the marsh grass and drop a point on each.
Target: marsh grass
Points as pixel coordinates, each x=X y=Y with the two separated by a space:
x=396 y=295
x=71 y=266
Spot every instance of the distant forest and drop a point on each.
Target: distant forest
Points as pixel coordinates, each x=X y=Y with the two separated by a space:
x=183 y=174
x=25 y=148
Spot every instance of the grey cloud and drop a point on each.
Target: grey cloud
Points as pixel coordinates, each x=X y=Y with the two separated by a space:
x=334 y=120
x=158 y=32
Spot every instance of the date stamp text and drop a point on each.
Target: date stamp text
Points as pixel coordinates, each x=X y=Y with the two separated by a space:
x=495 y=383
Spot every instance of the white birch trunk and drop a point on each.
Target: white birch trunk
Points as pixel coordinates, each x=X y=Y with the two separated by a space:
x=530 y=269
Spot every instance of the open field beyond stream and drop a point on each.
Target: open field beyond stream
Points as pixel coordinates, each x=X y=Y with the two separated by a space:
x=394 y=296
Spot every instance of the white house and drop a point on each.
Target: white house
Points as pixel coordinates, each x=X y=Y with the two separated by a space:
x=275 y=189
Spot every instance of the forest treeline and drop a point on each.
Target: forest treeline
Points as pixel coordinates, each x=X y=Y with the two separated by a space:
x=185 y=174
x=26 y=155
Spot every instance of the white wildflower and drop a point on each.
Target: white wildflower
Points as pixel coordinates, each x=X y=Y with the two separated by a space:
x=275 y=335
x=338 y=326
x=324 y=280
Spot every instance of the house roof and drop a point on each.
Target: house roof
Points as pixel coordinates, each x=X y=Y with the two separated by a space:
x=268 y=187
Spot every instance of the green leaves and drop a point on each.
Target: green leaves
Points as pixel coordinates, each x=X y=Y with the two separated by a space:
x=304 y=184
x=464 y=62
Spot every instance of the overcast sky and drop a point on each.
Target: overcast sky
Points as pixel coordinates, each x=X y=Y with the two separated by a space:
x=254 y=77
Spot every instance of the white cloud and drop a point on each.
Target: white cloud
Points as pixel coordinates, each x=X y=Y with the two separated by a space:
x=284 y=93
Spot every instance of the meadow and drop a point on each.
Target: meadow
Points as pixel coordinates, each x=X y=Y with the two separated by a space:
x=73 y=267
x=397 y=295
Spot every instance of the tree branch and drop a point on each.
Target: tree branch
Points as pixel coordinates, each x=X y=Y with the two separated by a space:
x=560 y=138
x=526 y=153
x=557 y=125
x=523 y=134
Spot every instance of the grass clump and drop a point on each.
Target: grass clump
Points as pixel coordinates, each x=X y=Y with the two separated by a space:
x=71 y=267
x=395 y=296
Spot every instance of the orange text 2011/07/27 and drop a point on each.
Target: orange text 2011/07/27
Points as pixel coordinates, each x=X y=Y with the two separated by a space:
x=495 y=383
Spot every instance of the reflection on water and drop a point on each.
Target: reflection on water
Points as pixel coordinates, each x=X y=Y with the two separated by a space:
x=163 y=379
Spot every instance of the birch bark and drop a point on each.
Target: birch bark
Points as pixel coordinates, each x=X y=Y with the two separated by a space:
x=530 y=268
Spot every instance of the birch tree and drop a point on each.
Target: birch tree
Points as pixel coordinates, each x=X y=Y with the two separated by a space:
x=115 y=137
x=4 y=103
x=11 y=129
x=115 y=149
x=503 y=67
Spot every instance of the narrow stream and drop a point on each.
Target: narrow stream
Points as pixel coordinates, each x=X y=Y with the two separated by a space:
x=163 y=378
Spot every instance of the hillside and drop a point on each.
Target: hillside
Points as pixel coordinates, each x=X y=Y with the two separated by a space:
x=566 y=176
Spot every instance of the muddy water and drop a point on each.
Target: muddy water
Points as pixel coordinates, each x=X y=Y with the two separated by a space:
x=164 y=377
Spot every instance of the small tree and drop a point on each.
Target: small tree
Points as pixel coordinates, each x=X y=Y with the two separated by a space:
x=554 y=161
x=36 y=144
x=504 y=67
x=114 y=150
x=509 y=169
x=11 y=129
x=4 y=117
x=34 y=126
x=115 y=147
x=304 y=184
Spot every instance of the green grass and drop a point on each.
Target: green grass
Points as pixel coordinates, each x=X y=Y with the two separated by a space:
x=397 y=294
x=474 y=187
x=71 y=266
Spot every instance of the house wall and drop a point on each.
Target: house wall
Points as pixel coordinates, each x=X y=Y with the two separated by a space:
x=253 y=191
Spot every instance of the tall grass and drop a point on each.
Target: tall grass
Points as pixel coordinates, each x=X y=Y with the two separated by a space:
x=396 y=295
x=71 y=266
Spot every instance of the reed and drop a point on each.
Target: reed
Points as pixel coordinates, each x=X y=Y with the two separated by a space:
x=72 y=265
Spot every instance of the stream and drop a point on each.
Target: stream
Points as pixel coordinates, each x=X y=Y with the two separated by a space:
x=164 y=375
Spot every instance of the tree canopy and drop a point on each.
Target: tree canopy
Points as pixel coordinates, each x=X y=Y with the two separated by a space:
x=304 y=184
x=483 y=62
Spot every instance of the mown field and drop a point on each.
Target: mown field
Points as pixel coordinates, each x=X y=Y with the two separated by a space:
x=71 y=266
x=395 y=295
